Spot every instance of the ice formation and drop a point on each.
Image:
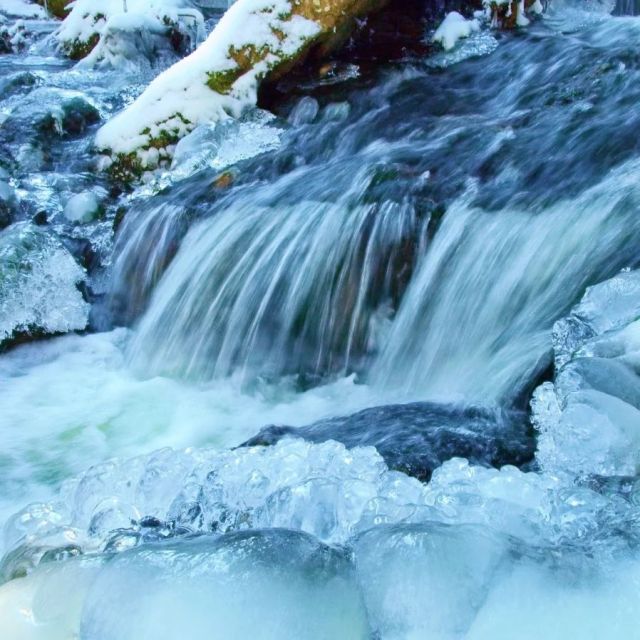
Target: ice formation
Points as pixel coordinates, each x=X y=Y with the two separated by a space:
x=589 y=417
x=38 y=284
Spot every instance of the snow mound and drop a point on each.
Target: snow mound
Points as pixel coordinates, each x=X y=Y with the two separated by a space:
x=453 y=28
x=90 y=20
x=22 y=9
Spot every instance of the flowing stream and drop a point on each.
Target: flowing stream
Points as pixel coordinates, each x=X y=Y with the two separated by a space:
x=366 y=287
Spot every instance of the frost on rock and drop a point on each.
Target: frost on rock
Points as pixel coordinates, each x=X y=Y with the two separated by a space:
x=254 y=40
x=38 y=284
x=453 y=28
x=589 y=417
x=125 y=32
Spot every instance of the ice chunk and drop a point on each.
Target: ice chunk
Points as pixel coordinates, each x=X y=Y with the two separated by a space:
x=606 y=306
x=38 y=284
x=266 y=585
x=609 y=376
x=83 y=207
x=589 y=420
x=425 y=581
x=225 y=143
x=595 y=433
x=48 y=604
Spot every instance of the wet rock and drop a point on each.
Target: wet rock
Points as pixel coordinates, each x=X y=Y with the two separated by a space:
x=417 y=438
x=16 y=82
x=49 y=113
x=8 y=203
x=5 y=42
x=40 y=218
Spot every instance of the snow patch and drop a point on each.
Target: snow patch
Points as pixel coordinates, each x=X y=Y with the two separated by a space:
x=454 y=27
x=180 y=98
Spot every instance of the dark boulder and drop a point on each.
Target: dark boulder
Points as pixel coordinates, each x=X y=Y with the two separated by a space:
x=417 y=438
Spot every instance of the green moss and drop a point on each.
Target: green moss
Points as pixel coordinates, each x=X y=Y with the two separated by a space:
x=78 y=49
x=125 y=168
x=162 y=140
x=58 y=8
x=222 y=81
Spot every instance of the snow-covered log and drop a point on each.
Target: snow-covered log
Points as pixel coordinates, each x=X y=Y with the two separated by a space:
x=255 y=40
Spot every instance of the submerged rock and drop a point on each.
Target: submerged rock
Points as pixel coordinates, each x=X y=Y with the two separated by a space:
x=39 y=281
x=8 y=202
x=417 y=438
x=48 y=113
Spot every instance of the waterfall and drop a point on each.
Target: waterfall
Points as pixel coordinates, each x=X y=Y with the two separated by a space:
x=476 y=320
x=277 y=290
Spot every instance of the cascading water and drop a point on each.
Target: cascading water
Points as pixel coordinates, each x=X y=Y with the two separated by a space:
x=280 y=290
x=475 y=323
x=315 y=422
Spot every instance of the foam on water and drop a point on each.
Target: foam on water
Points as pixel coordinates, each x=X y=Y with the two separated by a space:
x=85 y=405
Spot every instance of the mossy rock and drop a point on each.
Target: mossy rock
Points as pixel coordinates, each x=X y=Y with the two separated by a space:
x=58 y=8
x=335 y=21
x=78 y=49
x=125 y=168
